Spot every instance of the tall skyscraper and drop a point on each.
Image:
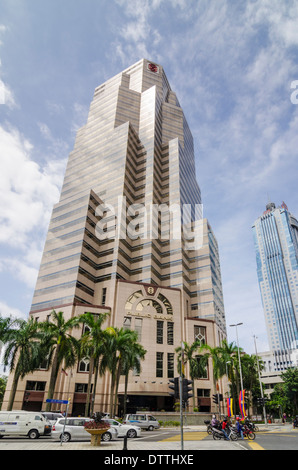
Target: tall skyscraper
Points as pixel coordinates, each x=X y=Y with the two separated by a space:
x=128 y=237
x=276 y=244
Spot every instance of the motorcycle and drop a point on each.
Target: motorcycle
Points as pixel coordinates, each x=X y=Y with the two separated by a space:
x=218 y=434
x=247 y=432
x=209 y=427
x=251 y=425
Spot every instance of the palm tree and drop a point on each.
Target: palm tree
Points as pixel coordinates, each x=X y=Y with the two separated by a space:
x=117 y=343
x=229 y=353
x=250 y=375
x=6 y=327
x=189 y=354
x=109 y=359
x=126 y=339
x=92 y=346
x=218 y=362
x=22 y=353
x=61 y=346
x=131 y=361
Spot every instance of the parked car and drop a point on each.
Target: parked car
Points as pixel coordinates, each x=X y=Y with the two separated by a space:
x=51 y=416
x=24 y=423
x=74 y=429
x=144 y=421
x=128 y=430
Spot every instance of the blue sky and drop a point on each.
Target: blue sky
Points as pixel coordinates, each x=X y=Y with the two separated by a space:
x=231 y=64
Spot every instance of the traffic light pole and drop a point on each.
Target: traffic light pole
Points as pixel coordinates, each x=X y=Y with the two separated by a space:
x=181 y=410
x=181 y=393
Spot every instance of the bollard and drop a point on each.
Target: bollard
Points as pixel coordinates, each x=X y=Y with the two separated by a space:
x=125 y=443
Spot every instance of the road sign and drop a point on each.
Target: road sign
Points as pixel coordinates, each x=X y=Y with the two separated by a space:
x=50 y=400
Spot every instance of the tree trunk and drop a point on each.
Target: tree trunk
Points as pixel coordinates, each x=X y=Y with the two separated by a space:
x=125 y=394
x=116 y=389
x=112 y=395
x=91 y=367
x=193 y=392
x=96 y=366
x=13 y=390
x=53 y=378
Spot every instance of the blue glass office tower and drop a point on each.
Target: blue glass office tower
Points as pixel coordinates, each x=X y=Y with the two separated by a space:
x=276 y=244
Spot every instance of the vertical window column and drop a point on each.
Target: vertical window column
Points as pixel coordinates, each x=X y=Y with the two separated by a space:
x=159 y=332
x=159 y=364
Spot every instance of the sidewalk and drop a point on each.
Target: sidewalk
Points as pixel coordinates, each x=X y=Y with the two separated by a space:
x=132 y=445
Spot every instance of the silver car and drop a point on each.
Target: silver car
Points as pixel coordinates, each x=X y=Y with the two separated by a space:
x=74 y=429
x=123 y=430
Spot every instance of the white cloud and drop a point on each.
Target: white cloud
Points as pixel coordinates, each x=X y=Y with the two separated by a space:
x=6 y=95
x=27 y=191
x=6 y=311
x=22 y=270
x=281 y=18
x=138 y=35
x=80 y=115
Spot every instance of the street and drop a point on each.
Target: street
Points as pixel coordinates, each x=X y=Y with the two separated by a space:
x=282 y=437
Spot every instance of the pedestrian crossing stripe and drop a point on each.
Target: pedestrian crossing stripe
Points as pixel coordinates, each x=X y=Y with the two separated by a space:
x=188 y=436
x=255 y=446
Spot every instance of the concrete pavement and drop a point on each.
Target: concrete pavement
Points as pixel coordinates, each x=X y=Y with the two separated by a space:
x=193 y=440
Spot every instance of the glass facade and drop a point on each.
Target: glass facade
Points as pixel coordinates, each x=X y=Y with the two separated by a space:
x=112 y=246
x=276 y=244
x=135 y=153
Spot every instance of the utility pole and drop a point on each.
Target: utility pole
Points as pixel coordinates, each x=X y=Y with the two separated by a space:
x=261 y=386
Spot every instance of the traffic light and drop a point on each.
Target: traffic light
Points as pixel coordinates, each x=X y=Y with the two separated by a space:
x=174 y=385
x=186 y=389
x=215 y=398
x=262 y=401
x=220 y=397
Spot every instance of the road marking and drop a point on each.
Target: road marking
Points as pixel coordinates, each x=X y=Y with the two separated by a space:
x=146 y=437
x=187 y=436
x=255 y=446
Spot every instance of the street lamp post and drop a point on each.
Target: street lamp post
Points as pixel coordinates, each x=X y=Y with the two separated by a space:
x=240 y=370
x=261 y=386
x=228 y=362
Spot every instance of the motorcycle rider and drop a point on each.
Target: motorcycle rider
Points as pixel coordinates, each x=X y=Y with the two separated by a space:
x=225 y=428
x=214 y=422
x=249 y=424
x=295 y=422
x=239 y=427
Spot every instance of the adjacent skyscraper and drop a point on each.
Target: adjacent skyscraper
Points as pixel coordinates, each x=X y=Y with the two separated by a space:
x=276 y=244
x=127 y=236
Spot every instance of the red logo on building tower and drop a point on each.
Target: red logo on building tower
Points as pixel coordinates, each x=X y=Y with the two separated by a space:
x=153 y=68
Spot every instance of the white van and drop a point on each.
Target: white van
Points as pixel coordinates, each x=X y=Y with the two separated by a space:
x=143 y=421
x=24 y=423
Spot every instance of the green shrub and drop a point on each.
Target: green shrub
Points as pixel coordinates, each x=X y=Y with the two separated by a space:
x=169 y=423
